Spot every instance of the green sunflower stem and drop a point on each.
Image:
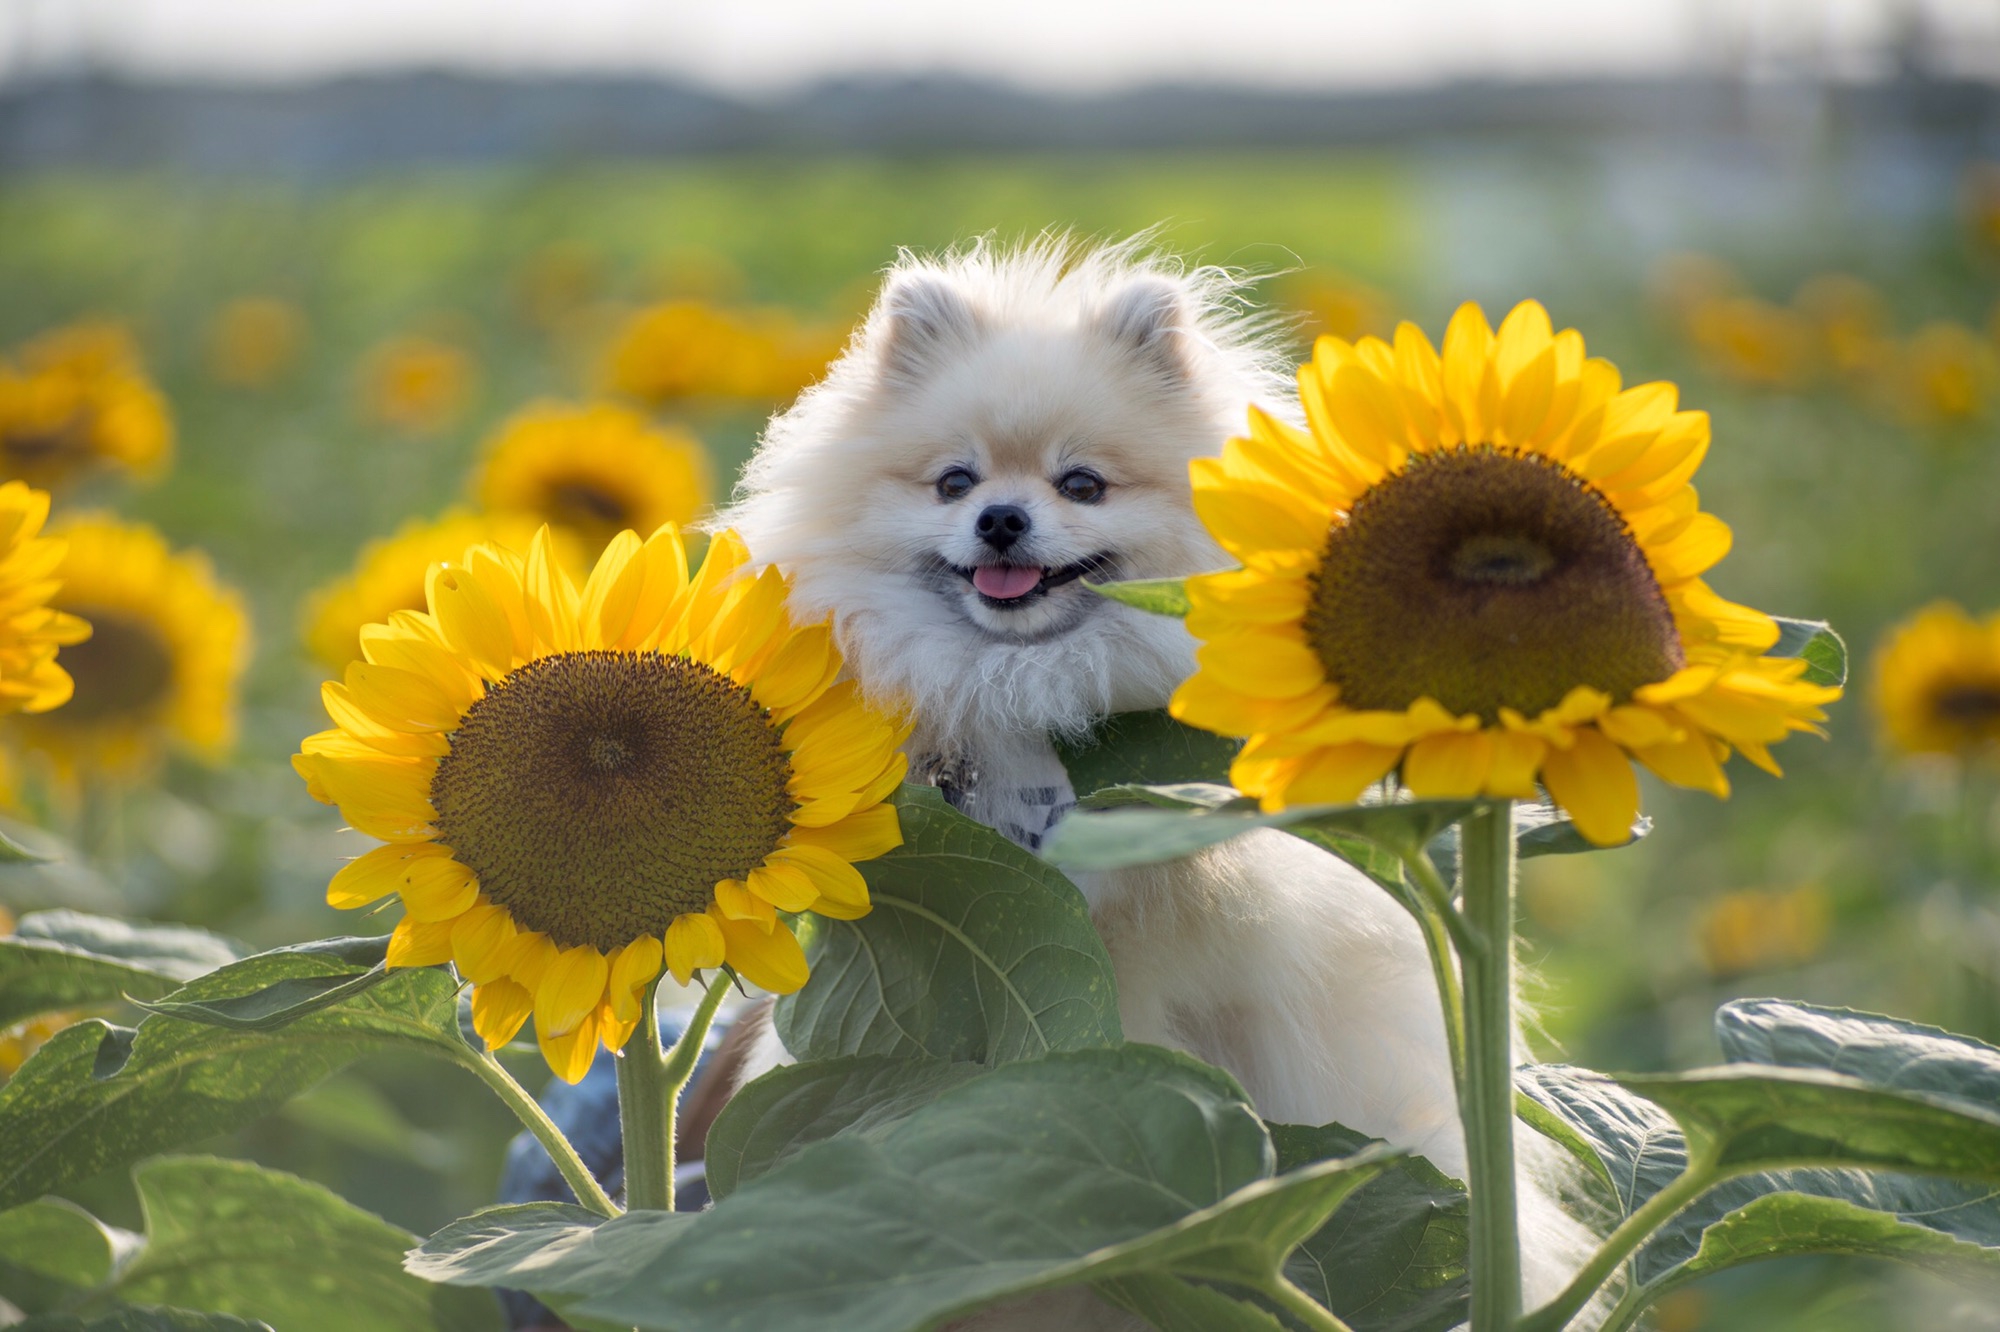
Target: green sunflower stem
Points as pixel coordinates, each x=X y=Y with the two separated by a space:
x=575 y=1173
x=1443 y=927
x=1486 y=1097
x=649 y=1091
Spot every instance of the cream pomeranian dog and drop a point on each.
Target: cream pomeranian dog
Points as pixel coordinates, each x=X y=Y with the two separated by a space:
x=1006 y=424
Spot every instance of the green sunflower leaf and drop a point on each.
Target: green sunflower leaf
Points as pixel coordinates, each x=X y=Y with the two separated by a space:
x=1815 y=640
x=285 y=1002
x=1783 y=1225
x=1779 y=1138
x=1084 y=1166
x=53 y=1252
x=1170 y=1304
x=232 y=1238
x=1393 y=1258
x=1753 y=1116
x=134 y=1319
x=1156 y=596
x=1136 y=748
x=788 y=1109
x=1145 y=825
x=99 y=1096
x=975 y=950
x=65 y=959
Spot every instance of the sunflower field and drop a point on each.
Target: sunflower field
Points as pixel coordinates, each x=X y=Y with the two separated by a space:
x=252 y=431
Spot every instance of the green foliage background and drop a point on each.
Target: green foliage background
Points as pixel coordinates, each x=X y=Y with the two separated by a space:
x=1839 y=514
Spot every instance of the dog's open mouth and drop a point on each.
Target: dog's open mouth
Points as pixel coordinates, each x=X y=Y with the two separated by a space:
x=1004 y=586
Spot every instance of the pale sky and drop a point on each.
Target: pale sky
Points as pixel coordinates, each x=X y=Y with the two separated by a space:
x=762 y=47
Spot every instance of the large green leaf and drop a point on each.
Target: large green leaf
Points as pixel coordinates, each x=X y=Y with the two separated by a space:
x=1393 y=1258
x=974 y=951
x=52 y=1251
x=1755 y=1116
x=98 y=1096
x=1885 y=1051
x=1825 y=653
x=1752 y=1115
x=1144 y=825
x=1781 y=1225
x=1145 y=748
x=1173 y=1304
x=229 y=1237
x=284 y=1002
x=1631 y=1147
x=1088 y=1165
x=235 y=1238
x=134 y=1319
x=65 y=959
x=769 y=1121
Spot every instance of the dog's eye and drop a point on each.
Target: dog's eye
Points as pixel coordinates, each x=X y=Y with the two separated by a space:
x=1082 y=485
x=955 y=483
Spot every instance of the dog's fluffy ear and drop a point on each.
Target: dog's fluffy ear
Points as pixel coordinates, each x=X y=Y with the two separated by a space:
x=925 y=316
x=1150 y=317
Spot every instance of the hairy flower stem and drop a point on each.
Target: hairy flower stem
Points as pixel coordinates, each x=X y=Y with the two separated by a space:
x=1635 y=1230
x=1486 y=1097
x=1442 y=925
x=482 y=1065
x=649 y=1092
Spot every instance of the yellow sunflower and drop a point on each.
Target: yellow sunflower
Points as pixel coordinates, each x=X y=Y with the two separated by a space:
x=31 y=632
x=594 y=469
x=77 y=401
x=161 y=666
x=1481 y=568
x=1937 y=683
x=578 y=787
x=390 y=574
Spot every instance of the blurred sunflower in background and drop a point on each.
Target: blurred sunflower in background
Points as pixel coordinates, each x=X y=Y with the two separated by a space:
x=252 y=342
x=593 y=469
x=161 y=666
x=1478 y=569
x=1850 y=323
x=579 y=787
x=389 y=575
x=1946 y=375
x=416 y=385
x=1937 y=683
x=31 y=631
x=690 y=349
x=76 y=402
x=1757 y=928
x=1753 y=341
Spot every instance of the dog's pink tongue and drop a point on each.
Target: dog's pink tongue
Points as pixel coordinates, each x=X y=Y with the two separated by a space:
x=1004 y=582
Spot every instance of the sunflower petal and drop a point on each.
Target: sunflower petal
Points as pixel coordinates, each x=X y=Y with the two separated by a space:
x=1594 y=783
x=571 y=989
x=417 y=943
x=499 y=1009
x=772 y=961
x=570 y=1053
x=694 y=942
x=862 y=835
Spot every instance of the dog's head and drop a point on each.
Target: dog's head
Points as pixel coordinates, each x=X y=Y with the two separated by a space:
x=1004 y=429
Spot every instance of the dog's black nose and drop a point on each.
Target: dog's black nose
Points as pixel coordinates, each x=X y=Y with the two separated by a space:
x=1001 y=525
